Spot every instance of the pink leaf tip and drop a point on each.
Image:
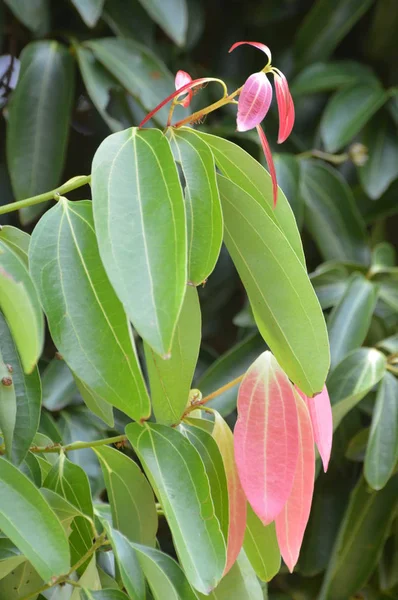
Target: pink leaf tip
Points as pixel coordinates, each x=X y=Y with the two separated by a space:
x=181 y=79
x=285 y=106
x=257 y=45
x=254 y=101
x=322 y=423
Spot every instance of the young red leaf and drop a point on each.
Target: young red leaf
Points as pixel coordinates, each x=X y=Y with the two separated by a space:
x=236 y=496
x=322 y=423
x=254 y=101
x=181 y=79
x=266 y=437
x=292 y=521
x=257 y=45
x=285 y=106
x=270 y=162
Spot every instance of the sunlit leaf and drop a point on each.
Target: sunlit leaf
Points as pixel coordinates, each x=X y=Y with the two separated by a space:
x=261 y=547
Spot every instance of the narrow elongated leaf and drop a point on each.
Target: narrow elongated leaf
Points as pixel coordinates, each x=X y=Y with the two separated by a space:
x=170 y=380
x=88 y=316
x=325 y=76
x=331 y=214
x=266 y=437
x=288 y=175
x=21 y=307
x=241 y=582
x=348 y=111
x=164 y=575
x=236 y=496
x=241 y=168
x=90 y=10
x=139 y=208
x=353 y=378
x=29 y=522
x=350 y=319
x=261 y=547
x=292 y=520
x=172 y=17
x=325 y=26
x=127 y=561
x=382 y=448
x=8 y=406
x=278 y=287
x=177 y=474
x=360 y=540
x=130 y=496
x=322 y=423
x=17 y=240
x=41 y=102
x=202 y=203
x=32 y=13
x=138 y=70
x=27 y=391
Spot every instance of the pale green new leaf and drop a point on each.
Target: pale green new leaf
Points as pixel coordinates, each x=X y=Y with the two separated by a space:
x=10 y=557
x=238 y=584
x=87 y=321
x=90 y=578
x=284 y=303
x=140 y=224
x=261 y=546
x=17 y=240
x=178 y=477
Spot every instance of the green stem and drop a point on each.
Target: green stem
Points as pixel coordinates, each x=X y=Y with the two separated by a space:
x=70 y=185
x=78 y=445
x=199 y=403
x=336 y=159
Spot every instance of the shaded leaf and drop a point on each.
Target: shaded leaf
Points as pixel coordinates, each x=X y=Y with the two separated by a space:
x=10 y=557
x=17 y=240
x=20 y=582
x=330 y=282
x=95 y=403
x=90 y=10
x=241 y=582
x=261 y=547
x=59 y=388
x=325 y=76
x=288 y=176
x=32 y=13
x=172 y=17
x=127 y=561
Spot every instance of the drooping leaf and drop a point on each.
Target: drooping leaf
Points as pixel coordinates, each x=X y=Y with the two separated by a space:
x=29 y=522
x=360 y=540
x=278 y=287
x=261 y=547
x=325 y=76
x=172 y=17
x=202 y=203
x=352 y=379
x=130 y=496
x=177 y=474
x=21 y=307
x=320 y=412
x=59 y=387
x=349 y=321
x=170 y=380
x=95 y=402
x=27 y=391
x=138 y=209
x=32 y=13
x=127 y=561
x=382 y=448
x=266 y=437
x=8 y=407
x=17 y=240
x=241 y=582
x=90 y=10
x=87 y=316
x=41 y=102
x=288 y=175
x=348 y=111
x=292 y=520
x=236 y=496
x=241 y=168
x=331 y=214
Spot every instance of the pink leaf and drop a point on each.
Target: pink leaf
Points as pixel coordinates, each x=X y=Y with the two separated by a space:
x=292 y=520
x=254 y=101
x=285 y=106
x=270 y=162
x=181 y=79
x=322 y=423
x=266 y=437
x=236 y=496
x=257 y=45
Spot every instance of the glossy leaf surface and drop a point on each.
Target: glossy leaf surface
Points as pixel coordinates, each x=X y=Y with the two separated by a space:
x=86 y=316
x=127 y=561
x=138 y=209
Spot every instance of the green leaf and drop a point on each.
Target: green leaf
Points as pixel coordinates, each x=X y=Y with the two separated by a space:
x=261 y=547
x=29 y=522
x=246 y=172
x=327 y=23
x=357 y=447
x=170 y=380
x=348 y=111
x=382 y=449
x=390 y=344
x=238 y=584
x=90 y=10
x=165 y=576
x=360 y=540
x=138 y=70
x=41 y=102
x=227 y=367
x=138 y=209
x=103 y=594
x=59 y=387
x=86 y=314
x=177 y=474
x=21 y=582
x=97 y=405
x=330 y=282
x=127 y=561
x=350 y=319
x=352 y=379
x=325 y=76
x=381 y=168
x=70 y=481
x=17 y=240
x=202 y=203
x=27 y=392
x=130 y=20
x=8 y=407
x=388 y=288
x=32 y=13
x=383 y=257
x=288 y=176
x=331 y=214
x=90 y=578
x=130 y=496
x=172 y=17
x=21 y=307
x=10 y=557
x=277 y=286
x=64 y=510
